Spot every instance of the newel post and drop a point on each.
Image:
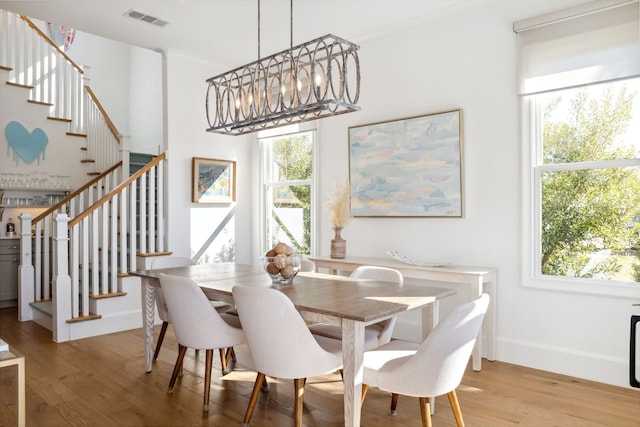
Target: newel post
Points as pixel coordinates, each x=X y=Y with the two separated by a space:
x=125 y=153
x=61 y=281
x=26 y=283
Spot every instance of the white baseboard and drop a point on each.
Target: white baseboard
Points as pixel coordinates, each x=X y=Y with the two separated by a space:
x=565 y=361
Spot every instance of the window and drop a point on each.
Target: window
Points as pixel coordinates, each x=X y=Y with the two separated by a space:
x=288 y=191
x=581 y=119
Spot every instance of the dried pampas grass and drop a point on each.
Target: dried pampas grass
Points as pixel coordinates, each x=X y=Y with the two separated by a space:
x=339 y=206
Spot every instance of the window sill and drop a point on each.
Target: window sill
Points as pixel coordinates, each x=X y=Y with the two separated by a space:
x=586 y=287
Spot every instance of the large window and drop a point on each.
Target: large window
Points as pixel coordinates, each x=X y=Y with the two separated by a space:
x=581 y=102
x=288 y=190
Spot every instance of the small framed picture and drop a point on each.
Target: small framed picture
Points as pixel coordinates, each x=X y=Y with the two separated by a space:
x=213 y=181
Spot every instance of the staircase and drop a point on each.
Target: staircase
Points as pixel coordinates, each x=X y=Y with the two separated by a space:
x=76 y=255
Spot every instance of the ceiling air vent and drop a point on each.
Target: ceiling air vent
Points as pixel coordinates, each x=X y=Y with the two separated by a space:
x=146 y=18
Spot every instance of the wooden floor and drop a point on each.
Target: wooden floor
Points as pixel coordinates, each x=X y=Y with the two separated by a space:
x=101 y=382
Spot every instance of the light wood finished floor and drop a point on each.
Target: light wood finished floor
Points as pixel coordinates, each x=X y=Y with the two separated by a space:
x=101 y=382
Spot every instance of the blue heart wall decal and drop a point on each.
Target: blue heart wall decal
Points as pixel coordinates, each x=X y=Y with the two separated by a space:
x=26 y=146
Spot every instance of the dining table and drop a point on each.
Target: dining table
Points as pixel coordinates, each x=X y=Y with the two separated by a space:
x=349 y=303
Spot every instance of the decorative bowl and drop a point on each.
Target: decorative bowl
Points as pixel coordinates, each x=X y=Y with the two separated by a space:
x=282 y=268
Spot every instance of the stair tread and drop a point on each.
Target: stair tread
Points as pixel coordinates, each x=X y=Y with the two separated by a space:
x=43 y=306
x=20 y=85
x=110 y=295
x=82 y=135
x=33 y=101
x=90 y=316
x=59 y=119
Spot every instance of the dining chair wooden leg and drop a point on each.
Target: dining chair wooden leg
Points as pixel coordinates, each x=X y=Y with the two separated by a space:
x=425 y=411
x=394 y=404
x=177 y=368
x=163 y=330
x=207 y=379
x=365 y=388
x=455 y=407
x=231 y=353
x=265 y=385
x=253 y=399
x=182 y=365
x=223 y=361
x=298 y=385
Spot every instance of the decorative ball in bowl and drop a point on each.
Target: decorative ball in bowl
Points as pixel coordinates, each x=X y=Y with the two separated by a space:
x=281 y=264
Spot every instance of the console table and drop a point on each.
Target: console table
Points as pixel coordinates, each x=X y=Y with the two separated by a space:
x=479 y=280
x=8 y=358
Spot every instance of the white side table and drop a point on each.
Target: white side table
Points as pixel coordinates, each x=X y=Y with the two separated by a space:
x=11 y=358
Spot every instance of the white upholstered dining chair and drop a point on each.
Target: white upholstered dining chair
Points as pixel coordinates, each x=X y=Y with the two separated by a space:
x=430 y=369
x=307 y=265
x=197 y=325
x=280 y=343
x=378 y=333
x=171 y=262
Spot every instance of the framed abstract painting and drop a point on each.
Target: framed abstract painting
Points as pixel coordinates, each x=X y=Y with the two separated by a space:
x=213 y=181
x=410 y=167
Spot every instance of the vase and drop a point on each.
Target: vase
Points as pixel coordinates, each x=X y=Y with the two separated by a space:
x=338 y=245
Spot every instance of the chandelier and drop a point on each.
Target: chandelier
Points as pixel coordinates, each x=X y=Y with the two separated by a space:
x=313 y=80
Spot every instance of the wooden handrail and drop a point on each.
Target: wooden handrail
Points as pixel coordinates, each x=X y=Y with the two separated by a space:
x=76 y=192
x=116 y=190
x=112 y=127
x=35 y=28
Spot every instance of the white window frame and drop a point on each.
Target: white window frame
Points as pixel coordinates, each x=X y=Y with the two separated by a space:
x=574 y=61
x=263 y=186
x=532 y=168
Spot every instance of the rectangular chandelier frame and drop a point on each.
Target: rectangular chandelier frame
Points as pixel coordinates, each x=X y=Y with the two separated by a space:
x=316 y=79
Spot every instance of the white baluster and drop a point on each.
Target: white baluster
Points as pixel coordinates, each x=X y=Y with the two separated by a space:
x=113 y=246
x=142 y=212
x=160 y=208
x=151 y=223
x=123 y=231
x=104 y=244
x=133 y=241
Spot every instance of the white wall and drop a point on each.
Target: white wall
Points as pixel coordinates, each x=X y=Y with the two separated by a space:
x=191 y=224
x=109 y=73
x=469 y=63
x=145 y=101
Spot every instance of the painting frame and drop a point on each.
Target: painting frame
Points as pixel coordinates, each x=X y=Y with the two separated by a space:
x=408 y=168
x=213 y=181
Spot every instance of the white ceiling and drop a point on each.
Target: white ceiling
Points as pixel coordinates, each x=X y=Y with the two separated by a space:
x=225 y=31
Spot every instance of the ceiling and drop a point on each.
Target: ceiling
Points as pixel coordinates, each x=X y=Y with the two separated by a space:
x=225 y=31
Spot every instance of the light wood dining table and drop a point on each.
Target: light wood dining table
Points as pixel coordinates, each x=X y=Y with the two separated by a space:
x=349 y=303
